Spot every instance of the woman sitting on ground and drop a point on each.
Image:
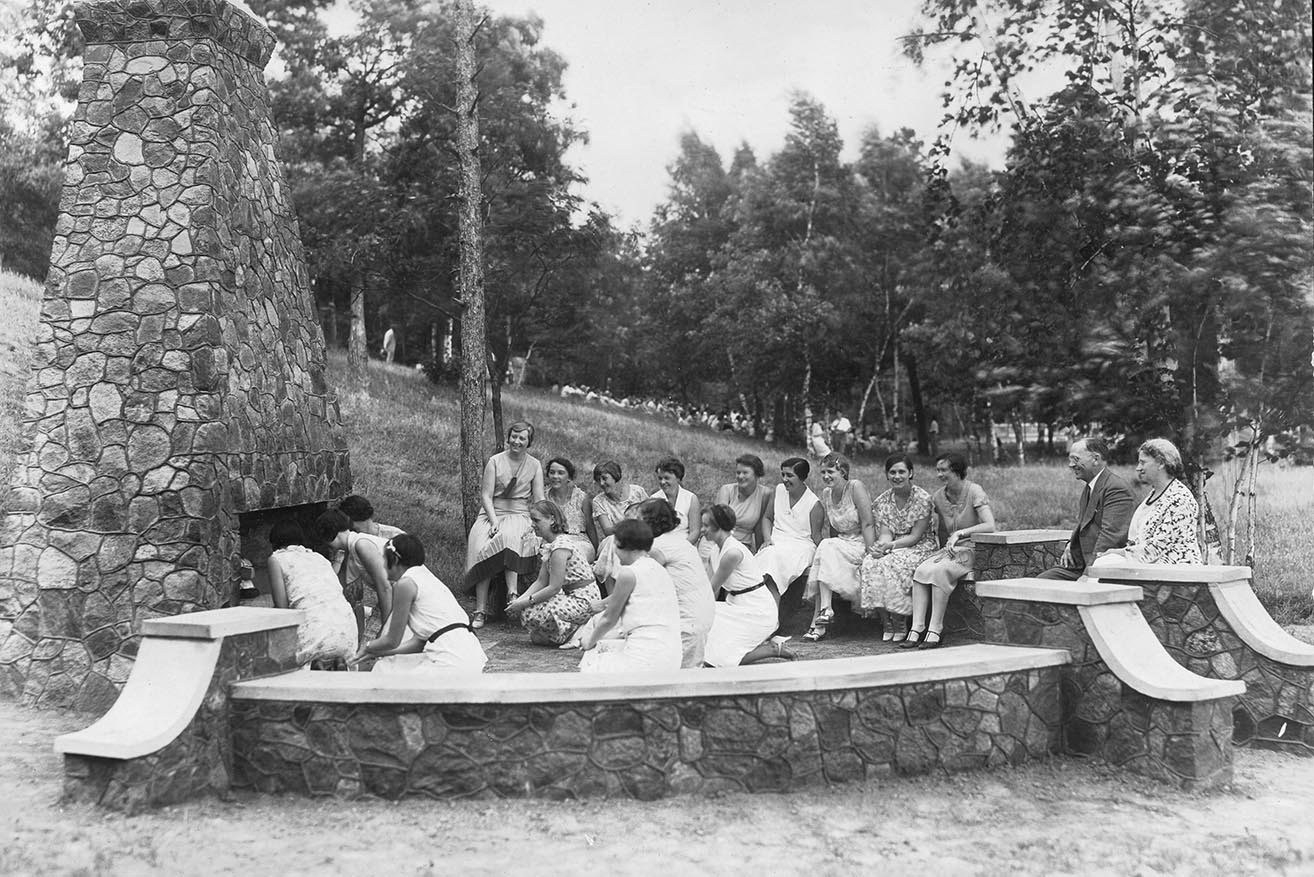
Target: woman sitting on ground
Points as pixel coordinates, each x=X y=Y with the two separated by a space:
x=904 y=539
x=963 y=510
x=642 y=607
x=358 y=558
x=429 y=630
x=512 y=480
x=1163 y=527
x=560 y=599
x=748 y=617
x=834 y=572
x=609 y=505
x=693 y=589
x=300 y=578
x=575 y=505
x=670 y=481
x=791 y=527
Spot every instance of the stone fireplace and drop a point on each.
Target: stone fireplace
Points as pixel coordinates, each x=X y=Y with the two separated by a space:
x=178 y=377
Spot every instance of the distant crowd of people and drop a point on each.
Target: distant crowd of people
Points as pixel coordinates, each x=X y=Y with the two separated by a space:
x=632 y=576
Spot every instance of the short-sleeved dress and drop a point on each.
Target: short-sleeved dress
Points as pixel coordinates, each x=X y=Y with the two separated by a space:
x=649 y=627
x=838 y=557
x=555 y=620
x=612 y=511
x=455 y=648
x=693 y=592
x=943 y=569
x=747 y=617
x=485 y=554
x=887 y=580
x=329 y=631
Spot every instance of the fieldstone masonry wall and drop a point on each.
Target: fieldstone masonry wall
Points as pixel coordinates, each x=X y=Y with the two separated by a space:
x=179 y=369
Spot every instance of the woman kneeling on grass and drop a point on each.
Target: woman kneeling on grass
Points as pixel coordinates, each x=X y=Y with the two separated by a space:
x=428 y=630
x=749 y=615
x=559 y=600
x=642 y=606
x=963 y=510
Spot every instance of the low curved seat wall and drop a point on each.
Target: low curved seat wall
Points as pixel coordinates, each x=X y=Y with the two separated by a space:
x=564 y=735
x=1125 y=699
x=166 y=739
x=1006 y=554
x=1210 y=621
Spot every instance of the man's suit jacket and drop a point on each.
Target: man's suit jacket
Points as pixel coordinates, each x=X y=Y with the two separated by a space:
x=1103 y=523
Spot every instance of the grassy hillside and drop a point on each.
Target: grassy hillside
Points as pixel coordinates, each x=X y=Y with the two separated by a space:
x=403 y=434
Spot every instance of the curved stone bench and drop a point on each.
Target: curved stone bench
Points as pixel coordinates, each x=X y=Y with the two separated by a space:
x=166 y=738
x=771 y=727
x=1004 y=554
x=1130 y=702
x=1210 y=621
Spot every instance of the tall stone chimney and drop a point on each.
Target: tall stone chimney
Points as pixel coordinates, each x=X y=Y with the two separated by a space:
x=179 y=369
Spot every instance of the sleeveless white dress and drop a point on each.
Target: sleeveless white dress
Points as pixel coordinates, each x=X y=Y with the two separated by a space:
x=329 y=631
x=354 y=577
x=748 y=615
x=693 y=592
x=791 y=550
x=435 y=608
x=649 y=627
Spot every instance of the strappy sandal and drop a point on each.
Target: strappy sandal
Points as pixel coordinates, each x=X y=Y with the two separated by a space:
x=913 y=641
x=817 y=631
x=929 y=643
x=779 y=649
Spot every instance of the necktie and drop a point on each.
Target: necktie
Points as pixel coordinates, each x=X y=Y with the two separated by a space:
x=1085 y=501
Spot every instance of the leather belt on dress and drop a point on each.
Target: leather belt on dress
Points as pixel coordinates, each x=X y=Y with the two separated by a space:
x=449 y=628
x=761 y=584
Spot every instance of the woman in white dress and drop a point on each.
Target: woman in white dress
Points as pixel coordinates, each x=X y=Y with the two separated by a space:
x=670 y=481
x=693 y=588
x=749 y=498
x=748 y=617
x=300 y=578
x=358 y=558
x=428 y=631
x=791 y=528
x=643 y=607
x=1162 y=528
x=512 y=480
x=835 y=567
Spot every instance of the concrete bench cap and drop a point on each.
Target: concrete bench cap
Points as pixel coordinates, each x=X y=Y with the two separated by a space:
x=1176 y=573
x=876 y=671
x=1021 y=537
x=1084 y=592
x=219 y=623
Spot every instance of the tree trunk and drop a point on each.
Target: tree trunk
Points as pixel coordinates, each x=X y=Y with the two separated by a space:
x=990 y=434
x=807 y=404
x=919 y=407
x=358 y=352
x=499 y=417
x=1251 y=497
x=474 y=331
x=1020 y=436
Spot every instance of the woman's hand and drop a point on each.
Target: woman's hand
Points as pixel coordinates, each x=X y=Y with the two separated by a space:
x=952 y=540
x=518 y=605
x=361 y=655
x=596 y=606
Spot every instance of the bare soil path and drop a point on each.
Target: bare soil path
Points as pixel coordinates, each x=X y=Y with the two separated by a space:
x=1063 y=817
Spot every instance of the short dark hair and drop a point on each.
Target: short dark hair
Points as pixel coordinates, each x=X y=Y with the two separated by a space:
x=405 y=549
x=286 y=532
x=356 y=507
x=607 y=467
x=957 y=463
x=672 y=465
x=658 y=514
x=895 y=459
x=522 y=426
x=633 y=535
x=1095 y=444
x=564 y=464
x=800 y=467
x=723 y=517
x=752 y=461
x=330 y=524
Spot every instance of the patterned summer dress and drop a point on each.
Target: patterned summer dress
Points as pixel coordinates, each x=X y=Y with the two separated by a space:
x=555 y=620
x=576 y=524
x=1162 y=531
x=838 y=557
x=329 y=631
x=611 y=511
x=887 y=580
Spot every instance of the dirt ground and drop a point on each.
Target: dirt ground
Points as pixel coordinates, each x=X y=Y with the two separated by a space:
x=1062 y=817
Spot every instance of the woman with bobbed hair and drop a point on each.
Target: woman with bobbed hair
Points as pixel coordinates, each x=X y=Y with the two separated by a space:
x=904 y=539
x=513 y=479
x=300 y=578
x=834 y=571
x=610 y=503
x=428 y=630
x=560 y=599
x=693 y=588
x=963 y=510
x=748 y=498
x=1163 y=527
x=791 y=526
x=574 y=503
x=670 y=487
x=748 y=617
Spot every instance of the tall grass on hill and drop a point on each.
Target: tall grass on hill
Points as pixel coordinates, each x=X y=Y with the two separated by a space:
x=20 y=302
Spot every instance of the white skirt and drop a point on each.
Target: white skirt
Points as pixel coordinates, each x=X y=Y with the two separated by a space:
x=742 y=623
x=457 y=651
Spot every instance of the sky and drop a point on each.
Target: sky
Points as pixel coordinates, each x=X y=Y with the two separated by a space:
x=641 y=73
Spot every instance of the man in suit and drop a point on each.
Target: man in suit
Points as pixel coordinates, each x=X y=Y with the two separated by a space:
x=1104 y=514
